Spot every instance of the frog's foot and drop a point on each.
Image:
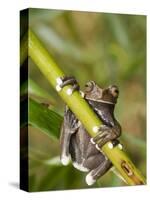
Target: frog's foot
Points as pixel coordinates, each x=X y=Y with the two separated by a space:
x=98 y=172
x=69 y=80
x=65 y=160
x=105 y=134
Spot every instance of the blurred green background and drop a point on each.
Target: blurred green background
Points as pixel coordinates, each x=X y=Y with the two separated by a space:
x=106 y=48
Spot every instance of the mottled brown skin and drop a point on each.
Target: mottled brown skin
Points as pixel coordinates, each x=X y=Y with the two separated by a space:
x=76 y=142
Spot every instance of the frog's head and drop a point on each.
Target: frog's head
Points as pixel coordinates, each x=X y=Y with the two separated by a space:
x=96 y=93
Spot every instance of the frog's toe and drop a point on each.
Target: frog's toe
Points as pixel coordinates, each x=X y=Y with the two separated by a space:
x=80 y=167
x=89 y=179
x=92 y=141
x=67 y=80
x=65 y=160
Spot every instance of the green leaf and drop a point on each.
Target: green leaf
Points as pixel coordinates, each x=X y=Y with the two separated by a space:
x=58 y=44
x=24 y=88
x=33 y=89
x=38 y=15
x=119 y=30
x=44 y=119
x=23 y=49
x=24 y=112
x=140 y=143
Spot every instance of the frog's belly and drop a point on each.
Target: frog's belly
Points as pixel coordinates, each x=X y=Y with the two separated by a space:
x=83 y=153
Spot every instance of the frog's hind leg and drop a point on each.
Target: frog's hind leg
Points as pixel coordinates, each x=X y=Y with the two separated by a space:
x=69 y=127
x=98 y=172
x=77 y=154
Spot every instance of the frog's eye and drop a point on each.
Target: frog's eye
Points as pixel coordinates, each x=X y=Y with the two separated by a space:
x=89 y=86
x=114 y=90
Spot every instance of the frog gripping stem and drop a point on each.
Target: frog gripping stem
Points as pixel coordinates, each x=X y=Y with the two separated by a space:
x=66 y=80
x=80 y=108
x=105 y=135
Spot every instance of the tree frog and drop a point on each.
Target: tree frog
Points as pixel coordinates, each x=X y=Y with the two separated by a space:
x=76 y=144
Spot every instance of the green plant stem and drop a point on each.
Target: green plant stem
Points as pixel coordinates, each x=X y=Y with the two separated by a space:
x=80 y=107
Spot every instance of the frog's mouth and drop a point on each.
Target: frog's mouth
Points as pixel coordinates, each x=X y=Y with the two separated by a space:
x=102 y=101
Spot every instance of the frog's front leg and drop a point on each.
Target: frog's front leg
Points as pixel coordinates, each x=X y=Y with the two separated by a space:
x=70 y=80
x=106 y=134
